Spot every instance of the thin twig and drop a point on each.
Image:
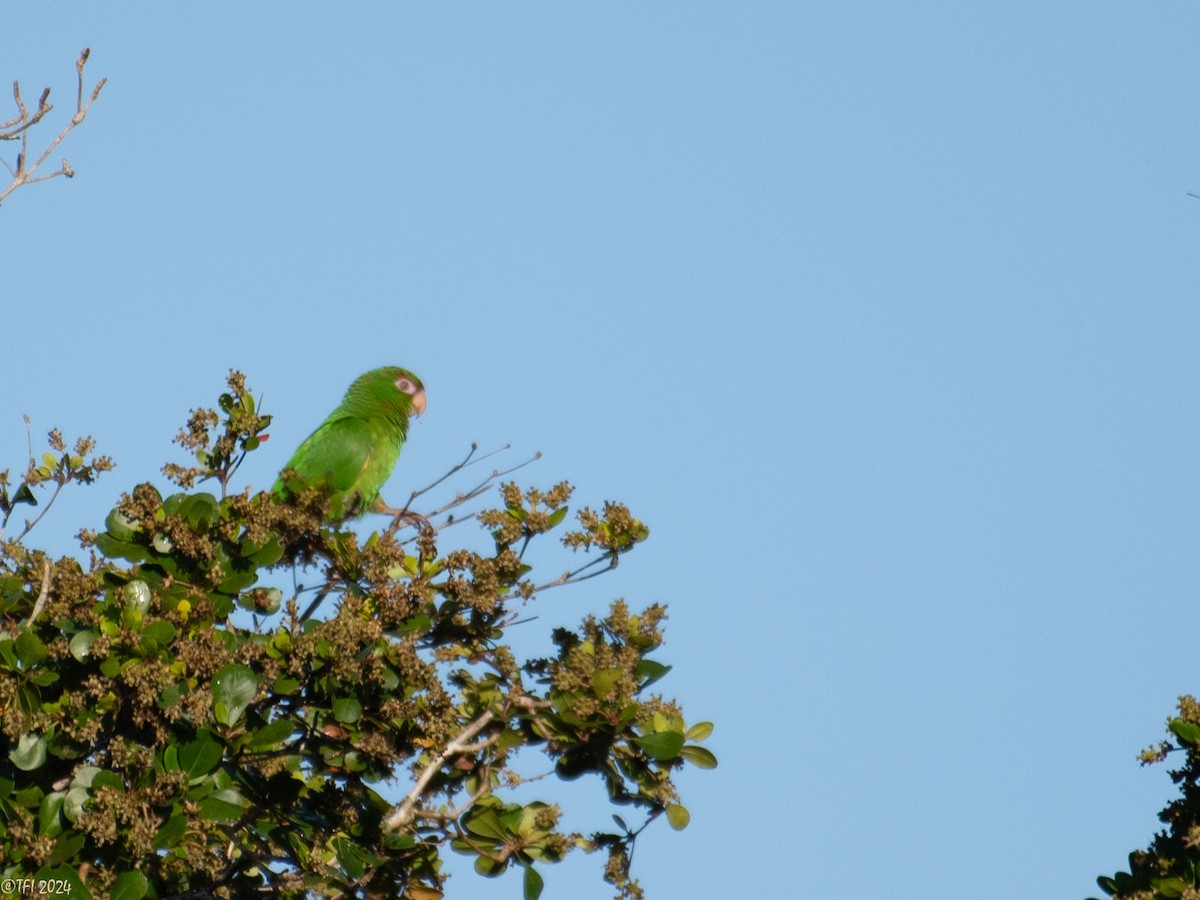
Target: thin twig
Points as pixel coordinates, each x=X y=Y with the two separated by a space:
x=466 y=463
x=24 y=172
x=577 y=576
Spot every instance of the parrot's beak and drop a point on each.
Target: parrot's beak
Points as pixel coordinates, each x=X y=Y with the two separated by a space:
x=419 y=402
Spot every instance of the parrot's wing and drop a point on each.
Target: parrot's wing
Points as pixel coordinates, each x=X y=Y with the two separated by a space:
x=336 y=455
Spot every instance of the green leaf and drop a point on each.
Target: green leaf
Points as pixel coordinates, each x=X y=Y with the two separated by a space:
x=699 y=757
x=161 y=631
x=662 y=745
x=274 y=733
x=604 y=680
x=81 y=645
x=29 y=647
x=699 y=731
x=485 y=823
x=118 y=549
x=75 y=889
x=200 y=756
x=533 y=884
x=557 y=516
x=649 y=671
x=200 y=511
x=120 y=525
x=30 y=752
x=223 y=806
x=169 y=835
x=68 y=844
x=237 y=581
x=106 y=778
x=137 y=596
x=354 y=857
x=74 y=801
x=678 y=816
x=233 y=688
x=1188 y=732
x=49 y=821
x=488 y=867
x=347 y=709
x=267 y=555
x=24 y=495
x=130 y=886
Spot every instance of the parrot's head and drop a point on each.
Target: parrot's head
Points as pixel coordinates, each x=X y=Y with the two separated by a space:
x=396 y=392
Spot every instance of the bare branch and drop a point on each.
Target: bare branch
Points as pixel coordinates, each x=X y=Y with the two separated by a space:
x=18 y=128
x=43 y=596
x=406 y=811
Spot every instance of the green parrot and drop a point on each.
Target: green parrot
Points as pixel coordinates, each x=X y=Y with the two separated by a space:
x=355 y=449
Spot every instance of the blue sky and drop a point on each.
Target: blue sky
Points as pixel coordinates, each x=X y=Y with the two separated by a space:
x=883 y=317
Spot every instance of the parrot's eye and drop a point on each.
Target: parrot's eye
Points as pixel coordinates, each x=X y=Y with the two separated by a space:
x=405 y=385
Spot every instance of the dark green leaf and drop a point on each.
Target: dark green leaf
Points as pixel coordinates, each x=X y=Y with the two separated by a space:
x=276 y=732
x=130 y=886
x=65 y=848
x=200 y=756
x=267 y=555
x=649 y=671
x=237 y=581
x=488 y=867
x=533 y=884
x=75 y=888
x=49 y=821
x=223 y=806
x=29 y=647
x=172 y=830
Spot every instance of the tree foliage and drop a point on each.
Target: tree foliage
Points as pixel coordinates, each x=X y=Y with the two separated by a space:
x=1170 y=866
x=234 y=694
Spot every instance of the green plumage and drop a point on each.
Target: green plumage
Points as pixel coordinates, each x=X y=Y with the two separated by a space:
x=353 y=452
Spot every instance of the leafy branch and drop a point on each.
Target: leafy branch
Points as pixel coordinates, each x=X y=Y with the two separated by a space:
x=162 y=743
x=57 y=466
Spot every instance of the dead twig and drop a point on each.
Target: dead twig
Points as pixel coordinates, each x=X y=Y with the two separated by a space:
x=18 y=128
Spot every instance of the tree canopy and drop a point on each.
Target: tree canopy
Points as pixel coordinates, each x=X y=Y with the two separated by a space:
x=1170 y=867
x=229 y=693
